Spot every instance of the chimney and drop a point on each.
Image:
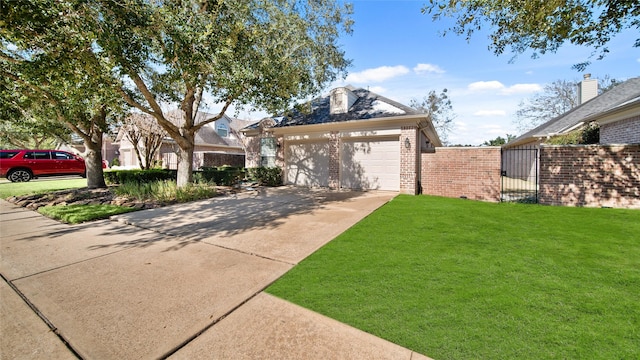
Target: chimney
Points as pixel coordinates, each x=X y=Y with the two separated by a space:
x=341 y=99
x=587 y=89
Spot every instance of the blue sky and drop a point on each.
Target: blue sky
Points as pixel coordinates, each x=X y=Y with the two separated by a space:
x=398 y=52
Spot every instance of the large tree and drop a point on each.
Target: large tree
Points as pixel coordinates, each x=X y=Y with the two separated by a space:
x=440 y=111
x=47 y=54
x=257 y=53
x=541 y=26
x=554 y=100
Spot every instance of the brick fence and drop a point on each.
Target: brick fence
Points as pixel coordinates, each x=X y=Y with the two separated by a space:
x=590 y=175
x=471 y=172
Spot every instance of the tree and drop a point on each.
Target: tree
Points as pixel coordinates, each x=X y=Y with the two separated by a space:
x=541 y=26
x=440 y=111
x=499 y=140
x=145 y=135
x=555 y=99
x=26 y=124
x=256 y=53
x=47 y=56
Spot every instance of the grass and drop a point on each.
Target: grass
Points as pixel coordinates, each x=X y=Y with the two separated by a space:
x=37 y=187
x=166 y=191
x=458 y=279
x=75 y=214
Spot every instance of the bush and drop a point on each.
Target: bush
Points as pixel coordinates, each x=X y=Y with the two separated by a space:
x=223 y=175
x=165 y=191
x=115 y=162
x=271 y=176
x=139 y=176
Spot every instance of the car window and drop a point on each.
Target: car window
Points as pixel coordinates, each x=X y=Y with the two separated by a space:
x=38 y=155
x=8 y=154
x=58 y=155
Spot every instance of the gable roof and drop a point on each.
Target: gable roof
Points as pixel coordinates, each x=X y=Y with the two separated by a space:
x=368 y=105
x=574 y=118
x=207 y=135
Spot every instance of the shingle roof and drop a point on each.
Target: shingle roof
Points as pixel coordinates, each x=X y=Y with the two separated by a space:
x=608 y=100
x=368 y=105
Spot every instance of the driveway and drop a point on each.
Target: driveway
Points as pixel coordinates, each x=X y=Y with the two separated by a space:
x=183 y=281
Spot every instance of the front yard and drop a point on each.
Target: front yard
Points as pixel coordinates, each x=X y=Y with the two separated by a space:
x=458 y=279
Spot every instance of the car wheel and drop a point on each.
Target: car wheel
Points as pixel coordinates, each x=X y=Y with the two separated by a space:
x=19 y=175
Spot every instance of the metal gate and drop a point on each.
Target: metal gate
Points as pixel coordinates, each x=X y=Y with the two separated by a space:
x=519 y=170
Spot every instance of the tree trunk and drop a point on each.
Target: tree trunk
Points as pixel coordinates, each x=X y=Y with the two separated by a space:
x=185 y=166
x=93 y=162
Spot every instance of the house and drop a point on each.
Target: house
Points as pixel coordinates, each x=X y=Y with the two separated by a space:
x=617 y=111
x=610 y=110
x=217 y=143
x=351 y=138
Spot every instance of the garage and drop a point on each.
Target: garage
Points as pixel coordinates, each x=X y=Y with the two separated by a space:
x=307 y=163
x=372 y=163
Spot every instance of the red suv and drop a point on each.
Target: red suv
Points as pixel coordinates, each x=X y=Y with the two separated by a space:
x=24 y=165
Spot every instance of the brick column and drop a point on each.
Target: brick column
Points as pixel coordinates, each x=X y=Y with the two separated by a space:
x=334 y=160
x=409 y=160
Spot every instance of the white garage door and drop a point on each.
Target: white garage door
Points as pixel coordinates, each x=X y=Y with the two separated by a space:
x=307 y=163
x=371 y=164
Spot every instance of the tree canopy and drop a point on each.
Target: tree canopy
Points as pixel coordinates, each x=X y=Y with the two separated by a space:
x=440 y=111
x=257 y=53
x=541 y=26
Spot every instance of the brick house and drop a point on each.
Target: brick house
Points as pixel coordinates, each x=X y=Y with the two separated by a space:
x=616 y=111
x=217 y=143
x=351 y=138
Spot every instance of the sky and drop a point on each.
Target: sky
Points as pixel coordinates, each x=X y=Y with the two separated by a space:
x=398 y=52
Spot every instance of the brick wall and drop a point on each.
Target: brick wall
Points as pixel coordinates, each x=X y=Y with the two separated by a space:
x=621 y=132
x=334 y=160
x=409 y=160
x=472 y=172
x=590 y=175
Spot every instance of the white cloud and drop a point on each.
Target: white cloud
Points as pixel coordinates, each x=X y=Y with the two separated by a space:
x=377 y=89
x=377 y=75
x=485 y=85
x=522 y=89
x=480 y=86
x=485 y=113
x=428 y=68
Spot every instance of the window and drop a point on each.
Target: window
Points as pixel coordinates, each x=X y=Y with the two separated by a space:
x=58 y=155
x=222 y=130
x=268 y=152
x=38 y=155
x=8 y=154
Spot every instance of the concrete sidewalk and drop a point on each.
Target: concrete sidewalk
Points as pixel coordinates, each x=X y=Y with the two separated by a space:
x=183 y=281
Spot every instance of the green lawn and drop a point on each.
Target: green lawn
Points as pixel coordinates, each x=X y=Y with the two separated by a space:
x=8 y=189
x=76 y=214
x=458 y=279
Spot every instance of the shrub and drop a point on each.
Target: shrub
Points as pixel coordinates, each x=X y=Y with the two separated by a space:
x=139 y=176
x=268 y=176
x=115 y=162
x=165 y=191
x=223 y=175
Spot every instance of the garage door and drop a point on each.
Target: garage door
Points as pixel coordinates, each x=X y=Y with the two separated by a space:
x=307 y=163
x=371 y=164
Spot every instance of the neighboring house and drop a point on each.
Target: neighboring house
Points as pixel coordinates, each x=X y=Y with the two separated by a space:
x=351 y=138
x=217 y=143
x=614 y=106
x=109 y=148
x=617 y=111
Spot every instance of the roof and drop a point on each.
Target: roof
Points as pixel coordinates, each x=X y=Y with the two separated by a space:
x=589 y=111
x=208 y=135
x=368 y=105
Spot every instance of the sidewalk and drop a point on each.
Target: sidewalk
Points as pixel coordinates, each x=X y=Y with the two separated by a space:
x=183 y=281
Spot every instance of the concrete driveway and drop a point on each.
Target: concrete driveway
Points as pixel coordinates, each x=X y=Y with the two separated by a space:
x=182 y=281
